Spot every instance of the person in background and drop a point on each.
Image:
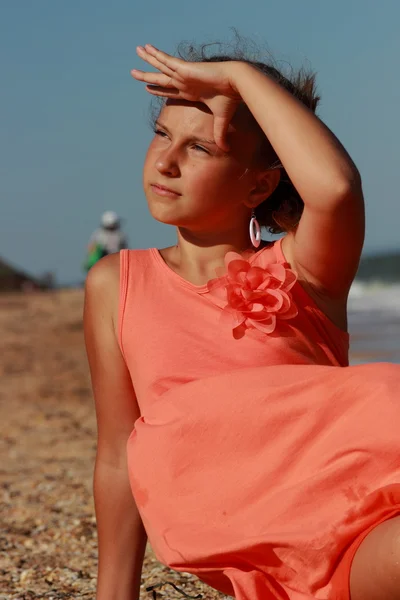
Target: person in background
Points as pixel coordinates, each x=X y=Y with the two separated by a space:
x=107 y=239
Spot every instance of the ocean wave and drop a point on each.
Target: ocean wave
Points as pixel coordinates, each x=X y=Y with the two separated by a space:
x=374 y=322
x=375 y=296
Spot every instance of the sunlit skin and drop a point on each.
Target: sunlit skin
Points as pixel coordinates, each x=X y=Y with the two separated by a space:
x=215 y=189
x=215 y=186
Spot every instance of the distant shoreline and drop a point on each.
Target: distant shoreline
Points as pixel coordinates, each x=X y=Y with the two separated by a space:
x=383 y=267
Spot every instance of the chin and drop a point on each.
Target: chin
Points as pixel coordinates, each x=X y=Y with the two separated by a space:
x=164 y=214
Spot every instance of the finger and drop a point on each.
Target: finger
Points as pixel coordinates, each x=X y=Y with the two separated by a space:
x=153 y=61
x=158 y=79
x=162 y=57
x=170 y=62
x=164 y=92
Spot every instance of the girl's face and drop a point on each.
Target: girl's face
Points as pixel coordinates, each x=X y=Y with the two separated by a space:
x=191 y=183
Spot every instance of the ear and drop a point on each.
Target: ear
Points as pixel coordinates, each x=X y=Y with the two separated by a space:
x=265 y=184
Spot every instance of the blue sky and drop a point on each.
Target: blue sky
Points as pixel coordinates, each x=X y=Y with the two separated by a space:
x=74 y=125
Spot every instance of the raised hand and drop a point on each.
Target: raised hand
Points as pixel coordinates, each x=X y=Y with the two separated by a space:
x=208 y=82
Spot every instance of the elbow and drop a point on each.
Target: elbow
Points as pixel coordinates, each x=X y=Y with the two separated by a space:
x=347 y=188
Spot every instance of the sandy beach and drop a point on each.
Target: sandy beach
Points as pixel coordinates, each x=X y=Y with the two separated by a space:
x=48 y=443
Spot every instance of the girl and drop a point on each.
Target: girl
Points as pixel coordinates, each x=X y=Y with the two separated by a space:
x=258 y=459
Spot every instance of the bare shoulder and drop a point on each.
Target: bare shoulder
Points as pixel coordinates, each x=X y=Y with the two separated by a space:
x=102 y=288
x=104 y=273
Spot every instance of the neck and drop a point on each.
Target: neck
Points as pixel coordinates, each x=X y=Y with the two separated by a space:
x=214 y=244
x=196 y=256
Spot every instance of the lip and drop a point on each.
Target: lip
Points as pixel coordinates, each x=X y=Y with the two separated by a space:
x=162 y=190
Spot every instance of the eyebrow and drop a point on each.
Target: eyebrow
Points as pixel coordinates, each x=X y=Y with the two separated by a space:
x=193 y=137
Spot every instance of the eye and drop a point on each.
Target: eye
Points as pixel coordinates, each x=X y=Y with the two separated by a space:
x=200 y=149
x=160 y=133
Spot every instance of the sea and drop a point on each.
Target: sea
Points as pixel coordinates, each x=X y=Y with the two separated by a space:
x=374 y=321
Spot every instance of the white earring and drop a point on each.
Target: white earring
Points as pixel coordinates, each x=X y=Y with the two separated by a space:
x=255 y=230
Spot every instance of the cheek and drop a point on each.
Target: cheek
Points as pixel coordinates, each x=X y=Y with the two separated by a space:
x=213 y=179
x=149 y=160
x=196 y=177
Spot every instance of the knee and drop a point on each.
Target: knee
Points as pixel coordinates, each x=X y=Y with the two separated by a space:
x=375 y=573
x=391 y=559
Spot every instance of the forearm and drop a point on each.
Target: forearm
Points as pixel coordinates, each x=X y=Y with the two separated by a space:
x=314 y=159
x=121 y=536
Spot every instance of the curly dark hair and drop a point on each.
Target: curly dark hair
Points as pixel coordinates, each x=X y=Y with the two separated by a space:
x=282 y=210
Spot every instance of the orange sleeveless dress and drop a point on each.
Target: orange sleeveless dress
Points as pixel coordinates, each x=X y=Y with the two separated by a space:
x=261 y=459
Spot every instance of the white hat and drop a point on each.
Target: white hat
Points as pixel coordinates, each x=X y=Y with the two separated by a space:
x=109 y=219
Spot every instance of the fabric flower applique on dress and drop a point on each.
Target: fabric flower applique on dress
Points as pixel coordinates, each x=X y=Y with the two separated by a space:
x=253 y=296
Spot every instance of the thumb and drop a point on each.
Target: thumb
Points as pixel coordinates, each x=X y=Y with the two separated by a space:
x=221 y=124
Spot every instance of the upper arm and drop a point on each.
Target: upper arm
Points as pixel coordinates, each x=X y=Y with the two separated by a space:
x=115 y=400
x=325 y=249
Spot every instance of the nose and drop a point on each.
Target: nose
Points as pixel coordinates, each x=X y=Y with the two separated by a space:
x=167 y=163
